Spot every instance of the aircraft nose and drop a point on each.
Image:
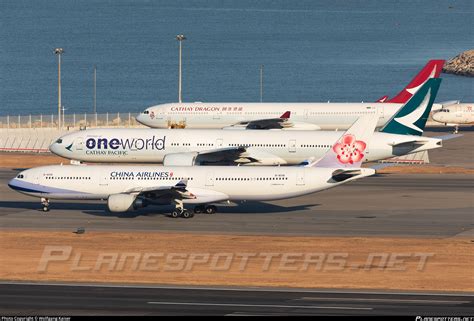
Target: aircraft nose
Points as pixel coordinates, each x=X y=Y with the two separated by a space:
x=437 y=117
x=60 y=146
x=54 y=148
x=13 y=184
x=142 y=119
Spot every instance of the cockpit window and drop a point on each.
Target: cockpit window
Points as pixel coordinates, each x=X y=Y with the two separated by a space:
x=20 y=176
x=59 y=141
x=146 y=112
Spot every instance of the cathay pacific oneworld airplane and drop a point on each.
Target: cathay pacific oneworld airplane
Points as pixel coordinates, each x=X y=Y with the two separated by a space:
x=187 y=147
x=131 y=187
x=304 y=116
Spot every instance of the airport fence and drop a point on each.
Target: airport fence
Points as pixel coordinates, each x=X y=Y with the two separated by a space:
x=69 y=121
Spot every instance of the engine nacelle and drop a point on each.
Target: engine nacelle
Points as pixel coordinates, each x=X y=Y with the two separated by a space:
x=180 y=159
x=124 y=202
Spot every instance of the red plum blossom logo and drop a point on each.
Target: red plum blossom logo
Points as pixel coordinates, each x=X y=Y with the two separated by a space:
x=349 y=150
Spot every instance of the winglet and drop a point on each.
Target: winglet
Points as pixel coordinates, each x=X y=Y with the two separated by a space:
x=382 y=99
x=286 y=115
x=348 y=151
x=411 y=118
x=432 y=69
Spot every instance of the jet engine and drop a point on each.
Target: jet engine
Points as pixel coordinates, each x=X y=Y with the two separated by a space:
x=180 y=159
x=124 y=202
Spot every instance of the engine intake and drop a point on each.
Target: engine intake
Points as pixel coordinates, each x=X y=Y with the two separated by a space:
x=118 y=203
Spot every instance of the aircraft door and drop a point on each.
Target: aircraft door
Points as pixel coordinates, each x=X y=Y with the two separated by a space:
x=103 y=179
x=79 y=143
x=300 y=177
x=219 y=142
x=381 y=112
x=292 y=146
x=160 y=114
x=210 y=179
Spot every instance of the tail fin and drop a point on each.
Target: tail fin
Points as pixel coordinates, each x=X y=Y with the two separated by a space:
x=431 y=70
x=348 y=151
x=411 y=118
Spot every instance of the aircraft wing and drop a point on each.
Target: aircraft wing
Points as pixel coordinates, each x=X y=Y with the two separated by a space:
x=241 y=155
x=268 y=123
x=238 y=155
x=155 y=192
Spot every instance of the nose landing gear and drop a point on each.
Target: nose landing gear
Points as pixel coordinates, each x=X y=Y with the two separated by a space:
x=45 y=204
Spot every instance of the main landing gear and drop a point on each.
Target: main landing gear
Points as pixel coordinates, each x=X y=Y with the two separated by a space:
x=207 y=209
x=180 y=211
x=45 y=204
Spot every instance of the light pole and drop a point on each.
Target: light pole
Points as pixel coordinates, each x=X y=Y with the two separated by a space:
x=180 y=39
x=62 y=114
x=95 y=89
x=58 y=52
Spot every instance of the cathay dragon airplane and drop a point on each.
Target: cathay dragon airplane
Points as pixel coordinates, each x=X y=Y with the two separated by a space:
x=431 y=70
x=128 y=187
x=400 y=136
x=304 y=116
x=455 y=115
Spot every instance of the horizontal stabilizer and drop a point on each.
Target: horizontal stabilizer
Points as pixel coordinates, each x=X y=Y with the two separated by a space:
x=449 y=103
x=341 y=175
x=414 y=158
x=448 y=137
x=408 y=143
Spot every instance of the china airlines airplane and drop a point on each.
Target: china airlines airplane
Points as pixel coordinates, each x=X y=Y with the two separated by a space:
x=249 y=147
x=304 y=116
x=455 y=115
x=128 y=187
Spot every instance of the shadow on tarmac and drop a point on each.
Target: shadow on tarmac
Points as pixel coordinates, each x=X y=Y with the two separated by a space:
x=100 y=209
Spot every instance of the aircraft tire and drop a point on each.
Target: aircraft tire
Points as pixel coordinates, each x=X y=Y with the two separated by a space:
x=211 y=209
x=175 y=214
x=186 y=214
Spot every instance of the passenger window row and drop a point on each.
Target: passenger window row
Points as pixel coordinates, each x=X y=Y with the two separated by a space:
x=317 y=146
x=68 y=177
x=252 y=178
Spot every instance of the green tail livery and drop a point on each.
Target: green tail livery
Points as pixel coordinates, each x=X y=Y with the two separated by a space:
x=411 y=118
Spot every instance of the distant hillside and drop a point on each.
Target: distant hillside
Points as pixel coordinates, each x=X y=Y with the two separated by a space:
x=462 y=64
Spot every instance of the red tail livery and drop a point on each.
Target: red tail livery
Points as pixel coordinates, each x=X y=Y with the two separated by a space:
x=431 y=70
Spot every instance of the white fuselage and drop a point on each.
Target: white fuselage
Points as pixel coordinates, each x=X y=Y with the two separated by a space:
x=269 y=147
x=208 y=184
x=218 y=115
x=455 y=114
